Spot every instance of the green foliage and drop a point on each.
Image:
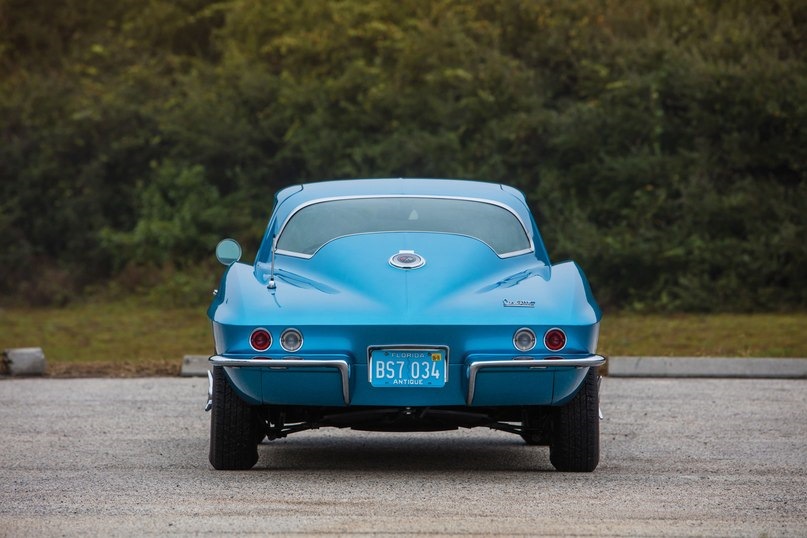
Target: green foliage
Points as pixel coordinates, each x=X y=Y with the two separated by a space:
x=662 y=144
x=179 y=214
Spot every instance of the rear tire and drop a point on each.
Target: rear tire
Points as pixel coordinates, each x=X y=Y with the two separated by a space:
x=575 y=443
x=234 y=427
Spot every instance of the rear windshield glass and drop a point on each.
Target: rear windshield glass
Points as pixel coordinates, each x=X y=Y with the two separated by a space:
x=315 y=225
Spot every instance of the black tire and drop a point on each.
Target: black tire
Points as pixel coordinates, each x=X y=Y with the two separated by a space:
x=234 y=427
x=575 y=443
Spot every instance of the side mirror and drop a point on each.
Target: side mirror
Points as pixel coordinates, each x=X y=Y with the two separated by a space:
x=228 y=251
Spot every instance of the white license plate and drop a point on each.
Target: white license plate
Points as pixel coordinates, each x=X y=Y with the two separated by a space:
x=408 y=368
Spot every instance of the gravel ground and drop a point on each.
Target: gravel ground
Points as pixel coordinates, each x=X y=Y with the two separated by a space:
x=680 y=457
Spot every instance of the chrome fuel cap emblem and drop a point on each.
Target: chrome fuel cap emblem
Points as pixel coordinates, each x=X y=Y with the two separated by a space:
x=407 y=259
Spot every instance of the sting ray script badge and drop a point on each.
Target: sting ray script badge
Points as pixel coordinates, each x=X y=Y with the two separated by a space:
x=520 y=304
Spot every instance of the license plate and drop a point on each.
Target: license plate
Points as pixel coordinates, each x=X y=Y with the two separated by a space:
x=408 y=368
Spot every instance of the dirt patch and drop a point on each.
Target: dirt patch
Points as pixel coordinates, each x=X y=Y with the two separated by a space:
x=157 y=368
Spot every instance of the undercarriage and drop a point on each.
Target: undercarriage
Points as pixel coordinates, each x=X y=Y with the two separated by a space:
x=533 y=421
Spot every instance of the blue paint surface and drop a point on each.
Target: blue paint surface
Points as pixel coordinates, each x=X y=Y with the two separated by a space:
x=347 y=298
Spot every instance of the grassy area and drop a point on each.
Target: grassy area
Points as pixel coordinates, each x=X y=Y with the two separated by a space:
x=117 y=339
x=715 y=335
x=125 y=339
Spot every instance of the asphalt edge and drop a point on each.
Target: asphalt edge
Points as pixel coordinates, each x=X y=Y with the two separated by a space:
x=716 y=367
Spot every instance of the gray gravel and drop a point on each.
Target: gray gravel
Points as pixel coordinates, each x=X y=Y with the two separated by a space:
x=681 y=457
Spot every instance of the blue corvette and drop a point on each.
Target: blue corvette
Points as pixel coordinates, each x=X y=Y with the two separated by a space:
x=403 y=305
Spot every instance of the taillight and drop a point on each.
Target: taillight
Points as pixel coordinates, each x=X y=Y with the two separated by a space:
x=260 y=339
x=524 y=339
x=291 y=340
x=555 y=339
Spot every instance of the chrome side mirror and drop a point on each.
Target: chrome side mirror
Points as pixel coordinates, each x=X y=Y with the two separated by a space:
x=228 y=251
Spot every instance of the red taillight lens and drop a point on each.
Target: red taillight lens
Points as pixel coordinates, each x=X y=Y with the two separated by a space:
x=555 y=339
x=260 y=339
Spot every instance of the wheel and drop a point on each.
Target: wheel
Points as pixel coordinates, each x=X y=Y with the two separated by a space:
x=536 y=426
x=234 y=427
x=575 y=445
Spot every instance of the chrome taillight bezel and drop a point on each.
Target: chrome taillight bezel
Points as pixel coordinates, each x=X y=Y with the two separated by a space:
x=549 y=333
x=269 y=339
x=287 y=348
x=532 y=337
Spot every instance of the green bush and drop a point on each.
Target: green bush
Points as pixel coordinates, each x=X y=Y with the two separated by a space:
x=662 y=144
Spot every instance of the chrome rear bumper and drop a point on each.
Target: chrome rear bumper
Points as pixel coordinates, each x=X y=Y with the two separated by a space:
x=343 y=368
x=282 y=364
x=538 y=364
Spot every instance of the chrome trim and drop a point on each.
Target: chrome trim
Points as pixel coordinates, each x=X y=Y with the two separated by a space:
x=534 y=339
x=403 y=347
x=272 y=284
x=565 y=339
x=519 y=303
x=473 y=369
x=301 y=340
x=421 y=261
x=339 y=364
x=599 y=384
x=527 y=231
x=209 y=405
x=271 y=339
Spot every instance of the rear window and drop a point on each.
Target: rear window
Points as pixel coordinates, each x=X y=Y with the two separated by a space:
x=314 y=225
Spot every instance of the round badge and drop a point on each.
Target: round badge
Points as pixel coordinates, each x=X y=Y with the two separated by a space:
x=407 y=260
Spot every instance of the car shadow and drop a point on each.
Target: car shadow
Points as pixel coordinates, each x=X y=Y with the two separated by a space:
x=403 y=452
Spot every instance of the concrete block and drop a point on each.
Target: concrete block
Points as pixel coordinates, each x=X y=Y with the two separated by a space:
x=24 y=361
x=195 y=366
